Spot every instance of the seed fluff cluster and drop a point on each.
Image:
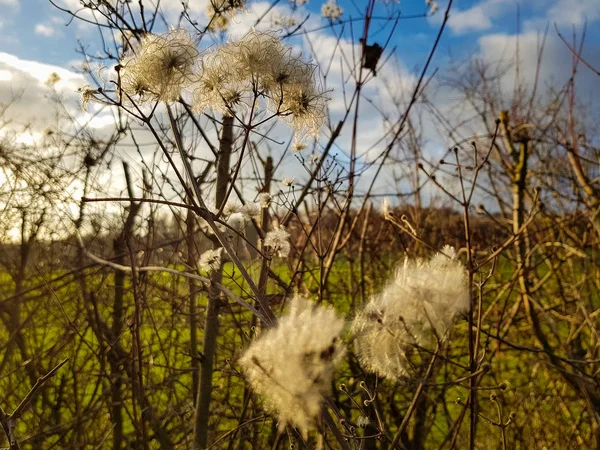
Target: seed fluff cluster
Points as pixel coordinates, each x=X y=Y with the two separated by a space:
x=291 y=366
x=211 y=260
x=331 y=10
x=159 y=67
x=258 y=66
x=278 y=242
x=417 y=308
x=256 y=72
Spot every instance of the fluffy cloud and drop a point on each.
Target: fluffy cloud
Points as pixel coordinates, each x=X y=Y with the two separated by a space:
x=479 y=17
x=555 y=66
x=23 y=86
x=44 y=30
x=576 y=12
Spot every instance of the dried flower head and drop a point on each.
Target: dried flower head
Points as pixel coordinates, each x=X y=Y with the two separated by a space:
x=278 y=242
x=252 y=210
x=416 y=308
x=254 y=55
x=232 y=208
x=257 y=67
x=362 y=421
x=288 y=181
x=265 y=199
x=331 y=10
x=304 y=105
x=87 y=94
x=291 y=366
x=210 y=260
x=52 y=79
x=215 y=87
x=298 y=146
x=160 y=67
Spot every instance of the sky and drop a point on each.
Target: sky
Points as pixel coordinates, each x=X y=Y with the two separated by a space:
x=37 y=39
x=35 y=30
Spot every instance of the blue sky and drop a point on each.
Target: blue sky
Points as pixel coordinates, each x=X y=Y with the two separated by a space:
x=35 y=41
x=36 y=30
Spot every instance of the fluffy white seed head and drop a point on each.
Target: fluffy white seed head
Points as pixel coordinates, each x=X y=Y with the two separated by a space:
x=278 y=242
x=257 y=67
x=303 y=104
x=232 y=208
x=291 y=366
x=362 y=421
x=160 y=67
x=331 y=10
x=418 y=307
x=210 y=260
x=216 y=87
x=252 y=210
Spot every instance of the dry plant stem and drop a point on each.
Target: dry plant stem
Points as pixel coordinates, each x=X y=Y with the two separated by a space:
x=205 y=280
x=238 y=166
x=211 y=324
x=264 y=226
x=137 y=365
x=9 y=421
x=361 y=252
x=235 y=430
x=577 y=54
x=119 y=248
x=332 y=425
x=415 y=95
x=472 y=338
x=588 y=391
x=457 y=425
x=307 y=187
x=327 y=265
x=192 y=258
x=266 y=314
x=413 y=403
x=592 y=198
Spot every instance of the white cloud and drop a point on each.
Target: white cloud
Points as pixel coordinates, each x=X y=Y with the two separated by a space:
x=574 y=12
x=23 y=86
x=5 y=75
x=9 y=2
x=44 y=30
x=496 y=55
x=41 y=72
x=479 y=17
x=473 y=19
